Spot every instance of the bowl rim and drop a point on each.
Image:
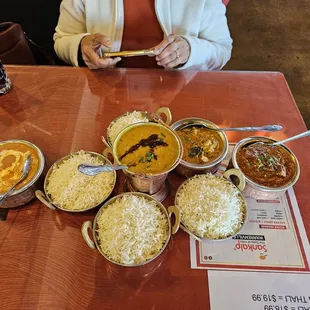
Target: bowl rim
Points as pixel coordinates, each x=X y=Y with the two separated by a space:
x=145 y=113
x=245 y=217
x=39 y=170
x=196 y=120
x=61 y=160
x=111 y=200
x=177 y=161
x=254 y=184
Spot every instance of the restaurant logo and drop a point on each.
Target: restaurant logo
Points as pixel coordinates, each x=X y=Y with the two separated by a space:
x=251 y=243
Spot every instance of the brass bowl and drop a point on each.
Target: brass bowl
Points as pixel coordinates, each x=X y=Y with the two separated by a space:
x=88 y=225
x=256 y=190
x=26 y=193
x=231 y=172
x=164 y=110
x=47 y=199
x=189 y=169
x=149 y=184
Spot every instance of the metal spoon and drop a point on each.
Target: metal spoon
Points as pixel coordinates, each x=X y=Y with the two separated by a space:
x=94 y=170
x=270 y=128
x=26 y=169
x=301 y=135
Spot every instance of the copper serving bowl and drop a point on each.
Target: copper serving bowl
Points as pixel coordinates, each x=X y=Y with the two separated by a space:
x=47 y=199
x=88 y=225
x=26 y=193
x=150 y=116
x=231 y=172
x=145 y=183
x=189 y=169
x=256 y=190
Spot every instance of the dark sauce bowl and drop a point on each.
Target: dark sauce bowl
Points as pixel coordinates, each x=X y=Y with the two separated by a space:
x=190 y=169
x=254 y=189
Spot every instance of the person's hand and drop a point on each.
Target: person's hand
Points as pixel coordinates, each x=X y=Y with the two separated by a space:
x=89 y=47
x=172 y=52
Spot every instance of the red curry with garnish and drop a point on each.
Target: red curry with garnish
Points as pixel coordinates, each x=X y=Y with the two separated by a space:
x=267 y=165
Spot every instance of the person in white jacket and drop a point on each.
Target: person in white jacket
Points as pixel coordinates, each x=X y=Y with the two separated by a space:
x=188 y=34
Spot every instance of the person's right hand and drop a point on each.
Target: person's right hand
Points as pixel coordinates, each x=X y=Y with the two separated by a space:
x=90 y=45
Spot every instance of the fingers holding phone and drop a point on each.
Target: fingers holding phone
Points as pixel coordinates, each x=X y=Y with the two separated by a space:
x=90 y=46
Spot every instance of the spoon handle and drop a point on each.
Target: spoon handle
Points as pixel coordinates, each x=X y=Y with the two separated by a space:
x=94 y=170
x=301 y=135
x=10 y=191
x=263 y=128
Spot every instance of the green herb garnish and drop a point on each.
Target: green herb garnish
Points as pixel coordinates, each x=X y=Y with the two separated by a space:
x=163 y=135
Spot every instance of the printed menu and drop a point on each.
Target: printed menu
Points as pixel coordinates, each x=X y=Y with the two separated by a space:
x=274 y=238
x=260 y=291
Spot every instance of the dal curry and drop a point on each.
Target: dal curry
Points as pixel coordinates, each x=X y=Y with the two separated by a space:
x=148 y=148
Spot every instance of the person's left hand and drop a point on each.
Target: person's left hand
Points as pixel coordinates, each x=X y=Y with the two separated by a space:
x=172 y=52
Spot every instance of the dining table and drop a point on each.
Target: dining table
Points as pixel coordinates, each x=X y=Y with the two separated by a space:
x=44 y=260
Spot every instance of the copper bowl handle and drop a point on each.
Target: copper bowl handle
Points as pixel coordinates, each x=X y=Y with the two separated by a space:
x=41 y=196
x=105 y=141
x=85 y=227
x=238 y=174
x=166 y=112
x=108 y=151
x=172 y=210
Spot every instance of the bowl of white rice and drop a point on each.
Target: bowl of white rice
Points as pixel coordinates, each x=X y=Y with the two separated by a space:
x=212 y=207
x=131 y=229
x=69 y=190
x=133 y=117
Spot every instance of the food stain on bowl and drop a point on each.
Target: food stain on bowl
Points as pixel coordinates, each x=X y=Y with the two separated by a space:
x=148 y=148
x=200 y=144
x=12 y=159
x=267 y=165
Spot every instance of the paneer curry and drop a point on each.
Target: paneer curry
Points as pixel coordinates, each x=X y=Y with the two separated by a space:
x=201 y=145
x=12 y=159
x=148 y=148
x=267 y=165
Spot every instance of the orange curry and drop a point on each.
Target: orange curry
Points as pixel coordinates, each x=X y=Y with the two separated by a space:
x=12 y=159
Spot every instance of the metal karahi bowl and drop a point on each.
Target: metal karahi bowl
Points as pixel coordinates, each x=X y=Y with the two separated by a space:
x=93 y=227
x=47 y=199
x=189 y=169
x=150 y=116
x=259 y=191
x=149 y=184
x=26 y=193
x=231 y=172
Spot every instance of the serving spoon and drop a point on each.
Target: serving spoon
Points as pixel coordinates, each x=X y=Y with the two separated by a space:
x=270 y=128
x=92 y=170
x=301 y=135
x=26 y=169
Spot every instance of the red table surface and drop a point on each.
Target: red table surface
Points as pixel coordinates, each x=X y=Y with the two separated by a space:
x=45 y=263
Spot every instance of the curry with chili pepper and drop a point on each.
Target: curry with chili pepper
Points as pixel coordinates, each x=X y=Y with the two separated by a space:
x=267 y=165
x=200 y=144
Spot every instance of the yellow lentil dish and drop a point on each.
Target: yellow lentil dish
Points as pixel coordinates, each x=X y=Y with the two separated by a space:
x=201 y=145
x=267 y=165
x=12 y=159
x=148 y=149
